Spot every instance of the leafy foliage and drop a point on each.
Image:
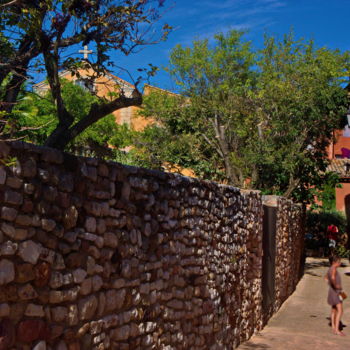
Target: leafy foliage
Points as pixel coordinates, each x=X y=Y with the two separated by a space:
x=175 y=140
x=325 y=193
x=342 y=252
x=36 y=118
x=318 y=221
x=41 y=35
x=257 y=119
x=301 y=94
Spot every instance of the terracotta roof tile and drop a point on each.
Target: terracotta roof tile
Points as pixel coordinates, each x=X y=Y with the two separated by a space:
x=340 y=166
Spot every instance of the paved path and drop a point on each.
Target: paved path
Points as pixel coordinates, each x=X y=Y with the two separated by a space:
x=302 y=321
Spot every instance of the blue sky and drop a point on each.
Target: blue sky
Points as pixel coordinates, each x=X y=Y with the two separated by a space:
x=325 y=21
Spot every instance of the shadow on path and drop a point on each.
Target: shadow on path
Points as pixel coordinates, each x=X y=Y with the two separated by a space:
x=311 y=266
x=249 y=345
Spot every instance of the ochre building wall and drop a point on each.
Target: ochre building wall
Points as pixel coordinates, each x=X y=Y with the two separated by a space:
x=341 y=194
x=97 y=255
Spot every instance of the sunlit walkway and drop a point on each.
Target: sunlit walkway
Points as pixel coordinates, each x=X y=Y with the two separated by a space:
x=302 y=323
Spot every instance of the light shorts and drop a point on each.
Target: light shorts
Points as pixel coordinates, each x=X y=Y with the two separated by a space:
x=331 y=243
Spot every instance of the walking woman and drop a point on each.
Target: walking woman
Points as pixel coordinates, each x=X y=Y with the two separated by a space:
x=335 y=288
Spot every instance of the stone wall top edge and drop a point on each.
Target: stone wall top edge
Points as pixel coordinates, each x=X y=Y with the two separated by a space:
x=250 y=191
x=174 y=178
x=20 y=146
x=270 y=200
x=275 y=200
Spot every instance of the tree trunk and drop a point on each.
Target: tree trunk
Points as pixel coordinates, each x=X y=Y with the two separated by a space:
x=64 y=134
x=13 y=88
x=224 y=146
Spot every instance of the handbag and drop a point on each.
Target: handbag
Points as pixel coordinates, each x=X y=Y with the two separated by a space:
x=342 y=295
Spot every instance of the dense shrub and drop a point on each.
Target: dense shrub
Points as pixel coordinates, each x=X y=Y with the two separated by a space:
x=316 y=226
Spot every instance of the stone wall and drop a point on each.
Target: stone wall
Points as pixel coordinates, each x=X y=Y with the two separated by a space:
x=289 y=249
x=97 y=255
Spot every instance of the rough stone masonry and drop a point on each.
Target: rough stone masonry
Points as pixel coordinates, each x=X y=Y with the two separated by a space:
x=98 y=255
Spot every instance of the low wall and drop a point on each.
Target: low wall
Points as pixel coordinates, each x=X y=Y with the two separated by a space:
x=97 y=255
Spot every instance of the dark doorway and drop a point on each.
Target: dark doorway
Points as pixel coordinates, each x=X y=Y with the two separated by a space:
x=347 y=213
x=269 y=255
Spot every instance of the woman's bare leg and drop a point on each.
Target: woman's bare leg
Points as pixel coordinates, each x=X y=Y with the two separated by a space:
x=333 y=313
x=338 y=315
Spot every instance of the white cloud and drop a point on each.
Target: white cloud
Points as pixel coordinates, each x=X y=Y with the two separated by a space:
x=202 y=19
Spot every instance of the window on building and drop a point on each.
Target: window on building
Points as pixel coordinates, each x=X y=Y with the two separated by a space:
x=86 y=84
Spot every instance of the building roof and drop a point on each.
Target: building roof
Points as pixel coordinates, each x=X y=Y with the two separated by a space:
x=150 y=88
x=126 y=86
x=340 y=166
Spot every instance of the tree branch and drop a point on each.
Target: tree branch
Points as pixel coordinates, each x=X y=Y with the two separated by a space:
x=13 y=2
x=293 y=183
x=61 y=137
x=212 y=144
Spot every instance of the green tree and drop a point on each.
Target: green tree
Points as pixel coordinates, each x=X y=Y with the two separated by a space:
x=40 y=35
x=258 y=119
x=301 y=101
x=36 y=118
x=175 y=138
